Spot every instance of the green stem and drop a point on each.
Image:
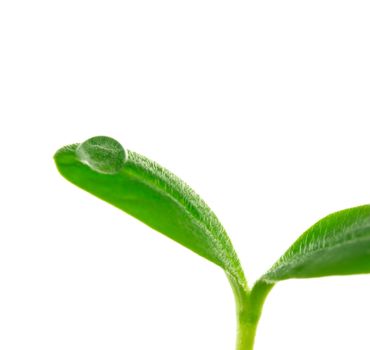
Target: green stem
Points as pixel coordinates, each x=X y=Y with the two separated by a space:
x=249 y=304
x=245 y=336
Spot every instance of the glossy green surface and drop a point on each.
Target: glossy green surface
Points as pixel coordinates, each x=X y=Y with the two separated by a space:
x=150 y=193
x=338 y=244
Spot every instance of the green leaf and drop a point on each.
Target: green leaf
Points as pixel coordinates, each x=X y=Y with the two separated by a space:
x=150 y=193
x=338 y=244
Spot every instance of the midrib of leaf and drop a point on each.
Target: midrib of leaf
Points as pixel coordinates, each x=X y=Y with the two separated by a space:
x=170 y=185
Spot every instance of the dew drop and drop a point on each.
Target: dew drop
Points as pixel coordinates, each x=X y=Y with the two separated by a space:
x=102 y=154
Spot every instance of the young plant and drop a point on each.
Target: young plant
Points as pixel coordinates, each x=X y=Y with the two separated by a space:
x=339 y=244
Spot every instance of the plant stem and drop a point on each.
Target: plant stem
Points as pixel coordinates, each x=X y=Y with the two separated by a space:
x=249 y=304
x=245 y=336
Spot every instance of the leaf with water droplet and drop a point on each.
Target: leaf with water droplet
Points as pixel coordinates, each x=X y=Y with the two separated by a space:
x=152 y=194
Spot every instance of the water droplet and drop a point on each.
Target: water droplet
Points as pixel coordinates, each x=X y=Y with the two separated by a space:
x=102 y=154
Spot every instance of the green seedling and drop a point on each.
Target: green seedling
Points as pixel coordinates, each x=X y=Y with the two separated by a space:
x=338 y=244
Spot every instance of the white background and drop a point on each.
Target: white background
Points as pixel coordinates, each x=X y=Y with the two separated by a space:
x=261 y=106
